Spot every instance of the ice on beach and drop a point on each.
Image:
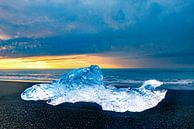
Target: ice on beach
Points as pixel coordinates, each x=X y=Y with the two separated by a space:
x=86 y=85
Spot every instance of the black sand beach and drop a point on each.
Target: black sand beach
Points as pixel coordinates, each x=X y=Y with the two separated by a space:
x=176 y=111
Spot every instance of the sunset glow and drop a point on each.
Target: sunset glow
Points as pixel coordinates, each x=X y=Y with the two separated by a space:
x=4 y=37
x=58 y=62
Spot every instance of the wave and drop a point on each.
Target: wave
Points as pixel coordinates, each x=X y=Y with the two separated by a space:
x=25 y=78
x=173 y=81
x=180 y=82
x=86 y=84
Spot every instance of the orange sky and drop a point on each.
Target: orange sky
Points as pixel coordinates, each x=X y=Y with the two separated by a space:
x=4 y=37
x=59 y=62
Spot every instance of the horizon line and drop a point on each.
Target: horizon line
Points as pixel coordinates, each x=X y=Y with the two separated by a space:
x=102 y=68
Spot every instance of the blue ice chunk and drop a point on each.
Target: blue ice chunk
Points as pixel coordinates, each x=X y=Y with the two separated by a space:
x=81 y=77
x=86 y=84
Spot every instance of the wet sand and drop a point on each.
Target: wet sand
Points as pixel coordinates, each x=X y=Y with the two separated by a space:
x=176 y=111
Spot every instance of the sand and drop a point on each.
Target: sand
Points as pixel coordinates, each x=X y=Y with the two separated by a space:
x=175 y=111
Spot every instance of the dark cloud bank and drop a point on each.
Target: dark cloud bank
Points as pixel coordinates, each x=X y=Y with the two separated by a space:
x=150 y=32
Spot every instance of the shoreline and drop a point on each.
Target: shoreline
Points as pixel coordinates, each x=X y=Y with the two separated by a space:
x=124 y=85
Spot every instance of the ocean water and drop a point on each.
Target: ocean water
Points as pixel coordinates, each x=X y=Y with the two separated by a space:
x=179 y=79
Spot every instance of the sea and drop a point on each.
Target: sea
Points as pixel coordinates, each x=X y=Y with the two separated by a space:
x=178 y=79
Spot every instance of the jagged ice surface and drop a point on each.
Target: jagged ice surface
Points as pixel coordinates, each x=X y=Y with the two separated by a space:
x=86 y=84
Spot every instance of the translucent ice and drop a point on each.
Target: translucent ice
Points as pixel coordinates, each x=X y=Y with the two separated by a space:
x=86 y=84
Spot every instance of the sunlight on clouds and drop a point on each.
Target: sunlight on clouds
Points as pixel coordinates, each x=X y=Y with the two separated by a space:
x=58 y=62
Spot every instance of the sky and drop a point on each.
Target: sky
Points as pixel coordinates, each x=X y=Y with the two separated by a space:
x=110 y=33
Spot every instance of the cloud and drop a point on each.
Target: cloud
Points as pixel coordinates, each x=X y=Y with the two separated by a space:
x=25 y=18
x=148 y=32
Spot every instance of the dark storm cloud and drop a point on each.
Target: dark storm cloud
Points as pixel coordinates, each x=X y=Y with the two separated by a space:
x=66 y=45
x=149 y=31
x=24 y=18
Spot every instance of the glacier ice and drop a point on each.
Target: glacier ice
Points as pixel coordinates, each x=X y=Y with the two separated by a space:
x=86 y=84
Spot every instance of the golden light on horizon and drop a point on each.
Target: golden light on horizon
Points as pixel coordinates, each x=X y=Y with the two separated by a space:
x=59 y=62
x=4 y=37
